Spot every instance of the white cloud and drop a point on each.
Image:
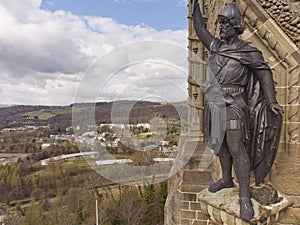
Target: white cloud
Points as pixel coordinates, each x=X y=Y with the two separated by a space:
x=124 y=1
x=43 y=55
x=182 y=2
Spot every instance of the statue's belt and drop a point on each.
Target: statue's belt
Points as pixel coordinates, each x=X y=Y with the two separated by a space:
x=231 y=89
x=233 y=94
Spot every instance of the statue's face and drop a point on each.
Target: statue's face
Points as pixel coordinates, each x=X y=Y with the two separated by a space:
x=227 y=30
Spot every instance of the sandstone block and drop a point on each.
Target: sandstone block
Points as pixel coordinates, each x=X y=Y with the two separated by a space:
x=186 y=214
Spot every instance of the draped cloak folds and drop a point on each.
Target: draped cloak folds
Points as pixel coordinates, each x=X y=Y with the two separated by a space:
x=263 y=126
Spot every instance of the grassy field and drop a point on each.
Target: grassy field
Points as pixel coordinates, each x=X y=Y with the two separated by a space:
x=45 y=115
x=145 y=135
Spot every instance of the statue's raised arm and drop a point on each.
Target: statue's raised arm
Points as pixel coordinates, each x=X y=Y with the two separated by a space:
x=203 y=34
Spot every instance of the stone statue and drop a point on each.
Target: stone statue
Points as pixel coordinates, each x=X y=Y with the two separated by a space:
x=253 y=116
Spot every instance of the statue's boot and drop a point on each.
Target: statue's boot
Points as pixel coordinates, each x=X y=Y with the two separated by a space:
x=246 y=208
x=226 y=165
x=219 y=185
x=241 y=165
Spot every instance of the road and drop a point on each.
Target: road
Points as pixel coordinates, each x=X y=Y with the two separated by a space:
x=11 y=158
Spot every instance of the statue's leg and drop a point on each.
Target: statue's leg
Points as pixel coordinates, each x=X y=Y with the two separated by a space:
x=241 y=165
x=226 y=165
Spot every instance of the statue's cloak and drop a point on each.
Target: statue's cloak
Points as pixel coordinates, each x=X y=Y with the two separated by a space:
x=264 y=126
x=265 y=130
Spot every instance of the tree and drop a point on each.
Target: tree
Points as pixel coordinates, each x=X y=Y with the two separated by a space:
x=34 y=215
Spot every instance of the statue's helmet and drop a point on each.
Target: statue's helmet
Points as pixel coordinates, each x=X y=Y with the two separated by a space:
x=232 y=12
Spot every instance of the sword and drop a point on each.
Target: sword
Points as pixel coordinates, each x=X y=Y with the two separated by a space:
x=193 y=2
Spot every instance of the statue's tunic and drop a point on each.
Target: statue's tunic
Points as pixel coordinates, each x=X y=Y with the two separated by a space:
x=229 y=71
x=234 y=86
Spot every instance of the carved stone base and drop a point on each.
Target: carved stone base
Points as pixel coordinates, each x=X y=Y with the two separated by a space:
x=223 y=208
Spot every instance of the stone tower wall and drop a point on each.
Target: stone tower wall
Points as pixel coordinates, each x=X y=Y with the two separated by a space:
x=271 y=27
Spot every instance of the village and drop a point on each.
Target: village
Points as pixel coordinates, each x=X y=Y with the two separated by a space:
x=102 y=139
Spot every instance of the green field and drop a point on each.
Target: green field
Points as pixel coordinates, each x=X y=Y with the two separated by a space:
x=45 y=115
x=145 y=135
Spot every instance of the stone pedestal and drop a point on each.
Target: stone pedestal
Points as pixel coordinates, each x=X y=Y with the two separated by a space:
x=223 y=208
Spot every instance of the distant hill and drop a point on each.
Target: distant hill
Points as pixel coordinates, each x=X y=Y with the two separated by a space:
x=5 y=105
x=139 y=112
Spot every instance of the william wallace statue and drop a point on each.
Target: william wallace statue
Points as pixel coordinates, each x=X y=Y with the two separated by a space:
x=253 y=116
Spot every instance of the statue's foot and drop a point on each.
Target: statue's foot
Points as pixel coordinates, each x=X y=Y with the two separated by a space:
x=246 y=209
x=219 y=185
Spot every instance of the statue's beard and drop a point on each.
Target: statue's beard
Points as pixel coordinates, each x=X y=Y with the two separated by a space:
x=227 y=33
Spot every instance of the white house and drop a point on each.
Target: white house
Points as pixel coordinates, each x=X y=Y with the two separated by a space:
x=45 y=145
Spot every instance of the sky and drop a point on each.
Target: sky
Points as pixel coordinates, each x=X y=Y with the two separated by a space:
x=160 y=14
x=53 y=52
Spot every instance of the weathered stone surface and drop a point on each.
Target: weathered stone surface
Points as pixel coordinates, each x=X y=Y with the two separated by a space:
x=227 y=200
x=201 y=222
x=173 y=202
x=290 y=216
x=185 y=222
x=265 y=194
x=295 y=199
x=195 y=188
x=197 y=177
x=196 y=206
x=186 y=214
x=285 y=173
x=285 y=15
x=185 y=205
x=202 y=216
x=188 y=197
